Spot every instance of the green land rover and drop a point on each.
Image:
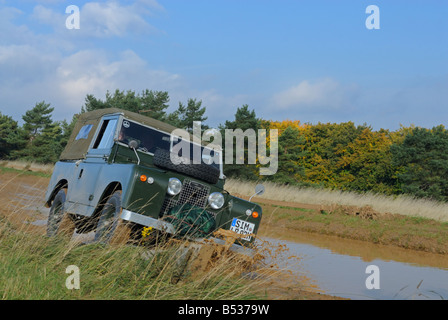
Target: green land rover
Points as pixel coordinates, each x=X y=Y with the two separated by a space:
x=116 y=177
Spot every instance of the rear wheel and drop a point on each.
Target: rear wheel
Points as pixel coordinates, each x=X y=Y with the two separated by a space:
x=111 y=228
x=60 y=221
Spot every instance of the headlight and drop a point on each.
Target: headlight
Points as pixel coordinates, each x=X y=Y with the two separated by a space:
x=174 y=186
x=216 y=200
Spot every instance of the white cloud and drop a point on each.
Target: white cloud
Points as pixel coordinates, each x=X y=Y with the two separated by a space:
x=102 y=19
x=48 y=16
x=45 y=15
x=93 y=72
x=323 y=94
x=37 y=65
x=28 y=75
x=111 y=19
x=11 y=33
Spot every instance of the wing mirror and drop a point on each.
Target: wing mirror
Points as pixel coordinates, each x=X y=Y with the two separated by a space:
x=259 y=190
x=134 y=145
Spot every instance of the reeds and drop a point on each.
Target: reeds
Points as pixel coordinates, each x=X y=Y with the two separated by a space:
x=402 y=204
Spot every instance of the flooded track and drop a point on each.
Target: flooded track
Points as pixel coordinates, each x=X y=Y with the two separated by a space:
x=338 y=267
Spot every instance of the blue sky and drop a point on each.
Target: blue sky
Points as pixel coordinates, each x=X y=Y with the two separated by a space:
x=313 y=61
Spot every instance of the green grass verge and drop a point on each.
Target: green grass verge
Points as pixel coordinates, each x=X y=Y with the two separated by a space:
x=24 y=172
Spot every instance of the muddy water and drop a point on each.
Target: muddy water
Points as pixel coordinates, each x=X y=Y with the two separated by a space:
x=339 y=267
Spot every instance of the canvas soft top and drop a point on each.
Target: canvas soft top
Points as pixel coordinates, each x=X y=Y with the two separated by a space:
x=77 y=148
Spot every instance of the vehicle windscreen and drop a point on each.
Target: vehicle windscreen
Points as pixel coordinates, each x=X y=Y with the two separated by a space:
x=149 y=140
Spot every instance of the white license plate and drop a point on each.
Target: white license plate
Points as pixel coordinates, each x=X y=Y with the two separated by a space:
x=243 y=227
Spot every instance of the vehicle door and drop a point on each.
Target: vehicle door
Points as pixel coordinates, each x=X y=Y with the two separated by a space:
x=84 y=197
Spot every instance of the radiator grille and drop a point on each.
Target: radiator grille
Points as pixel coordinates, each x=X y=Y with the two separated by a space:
x=192 y=192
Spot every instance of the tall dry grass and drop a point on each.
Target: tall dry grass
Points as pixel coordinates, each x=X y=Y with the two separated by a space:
x=34 y=266
x=402 y=204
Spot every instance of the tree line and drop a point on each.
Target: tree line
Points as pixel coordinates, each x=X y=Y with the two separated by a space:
x=344 y=156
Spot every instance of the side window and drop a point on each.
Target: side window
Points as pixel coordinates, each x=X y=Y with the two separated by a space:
x=106 y=134
x=84 y=132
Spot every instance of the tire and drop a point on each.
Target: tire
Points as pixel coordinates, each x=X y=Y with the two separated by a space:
x=111 y=229
x=205 y=172
x=60 y=221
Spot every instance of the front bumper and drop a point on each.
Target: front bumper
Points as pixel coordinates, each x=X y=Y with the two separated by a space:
x=147 y=221
x=169 y=228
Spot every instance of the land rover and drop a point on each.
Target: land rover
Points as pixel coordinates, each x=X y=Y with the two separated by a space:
x=116 y=174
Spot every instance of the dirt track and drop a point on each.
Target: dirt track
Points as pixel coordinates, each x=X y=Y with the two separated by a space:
x=22 y=199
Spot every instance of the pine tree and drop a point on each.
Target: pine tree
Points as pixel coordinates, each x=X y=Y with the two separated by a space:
x=8 y=132
x=39 y=138
x=244 y=119
x=37 y=119
x=154 y=104
x=46 y=146
x=185 y=115
x=150 y=103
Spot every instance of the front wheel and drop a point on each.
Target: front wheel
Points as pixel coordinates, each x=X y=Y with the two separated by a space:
x=111 y=228
x=59 y=220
